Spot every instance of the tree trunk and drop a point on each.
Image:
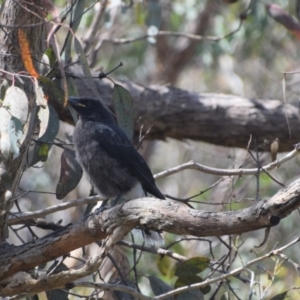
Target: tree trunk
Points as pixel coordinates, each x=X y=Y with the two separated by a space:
x=16 y=16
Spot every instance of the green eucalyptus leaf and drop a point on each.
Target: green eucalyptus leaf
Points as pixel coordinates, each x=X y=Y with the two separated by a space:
x=192 y=266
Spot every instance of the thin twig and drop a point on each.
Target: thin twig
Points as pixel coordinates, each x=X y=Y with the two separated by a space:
x=191 y=165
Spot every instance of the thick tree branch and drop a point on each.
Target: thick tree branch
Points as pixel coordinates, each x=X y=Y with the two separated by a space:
x=114 y=223
x=224 y=120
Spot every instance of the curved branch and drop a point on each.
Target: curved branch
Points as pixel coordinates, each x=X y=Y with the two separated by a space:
x=116 y=222
x=191 y=165
x=20 y=217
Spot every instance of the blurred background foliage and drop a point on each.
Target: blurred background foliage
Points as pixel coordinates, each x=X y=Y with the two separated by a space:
x=249 y=63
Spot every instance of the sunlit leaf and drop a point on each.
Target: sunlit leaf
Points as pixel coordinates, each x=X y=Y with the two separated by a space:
x=124 y=109
x=70 y=173
x=52 y=88
x=164 y=264
x=139 y=13
x=16 y=103
x=13 y=116
x=51 y=56
x=43 y=110
x=43 y=151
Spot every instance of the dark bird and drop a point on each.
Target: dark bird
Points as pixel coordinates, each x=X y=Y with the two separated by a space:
x=114 y=166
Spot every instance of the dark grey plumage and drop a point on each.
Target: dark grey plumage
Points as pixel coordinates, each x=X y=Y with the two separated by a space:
x=105 y=152
x=103 y=149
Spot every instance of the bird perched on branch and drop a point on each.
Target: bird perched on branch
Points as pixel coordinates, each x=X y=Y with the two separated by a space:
x=114 y=166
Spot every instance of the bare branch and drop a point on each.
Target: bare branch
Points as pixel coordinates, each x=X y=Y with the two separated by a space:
x=116 y=222
x=19 y=218
x=226 y=172
x=229 y=274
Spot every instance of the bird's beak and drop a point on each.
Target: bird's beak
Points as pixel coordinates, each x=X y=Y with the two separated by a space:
x=75 y=102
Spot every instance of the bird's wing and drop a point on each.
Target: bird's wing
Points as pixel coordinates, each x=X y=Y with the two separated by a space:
x=118 y=146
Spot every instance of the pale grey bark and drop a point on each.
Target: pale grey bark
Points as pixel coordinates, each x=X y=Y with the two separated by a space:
x=220 y=119
x=14 y=16
x=114 y=223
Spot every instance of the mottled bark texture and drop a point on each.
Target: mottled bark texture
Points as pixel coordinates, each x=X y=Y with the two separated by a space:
x=220 y=119
x=114 y=223
x=15 y=15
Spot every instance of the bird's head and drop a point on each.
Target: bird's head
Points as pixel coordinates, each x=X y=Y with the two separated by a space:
x=89 y=108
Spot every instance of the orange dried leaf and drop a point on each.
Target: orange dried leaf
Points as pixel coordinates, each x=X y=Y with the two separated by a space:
x=26 y=55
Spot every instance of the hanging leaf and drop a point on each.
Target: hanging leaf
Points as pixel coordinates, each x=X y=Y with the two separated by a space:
x=43 y=151
x=43 y=110
x=124 y=109
x=15 y=132
x=192 y=266
x=159 y=287
x=42 y=146
x=70 y=173
x=51 y=56
x=191 y=279
x=57 y=294
x=281 y=296
x=139 y=13
x=5 y=144
x=164 y=264
x=13 y=116
x=16 y=102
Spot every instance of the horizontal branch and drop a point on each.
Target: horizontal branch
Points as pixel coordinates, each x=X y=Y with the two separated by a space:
x=219 y=119
x=191 y=165
x=21 y=217
x=114 y=223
